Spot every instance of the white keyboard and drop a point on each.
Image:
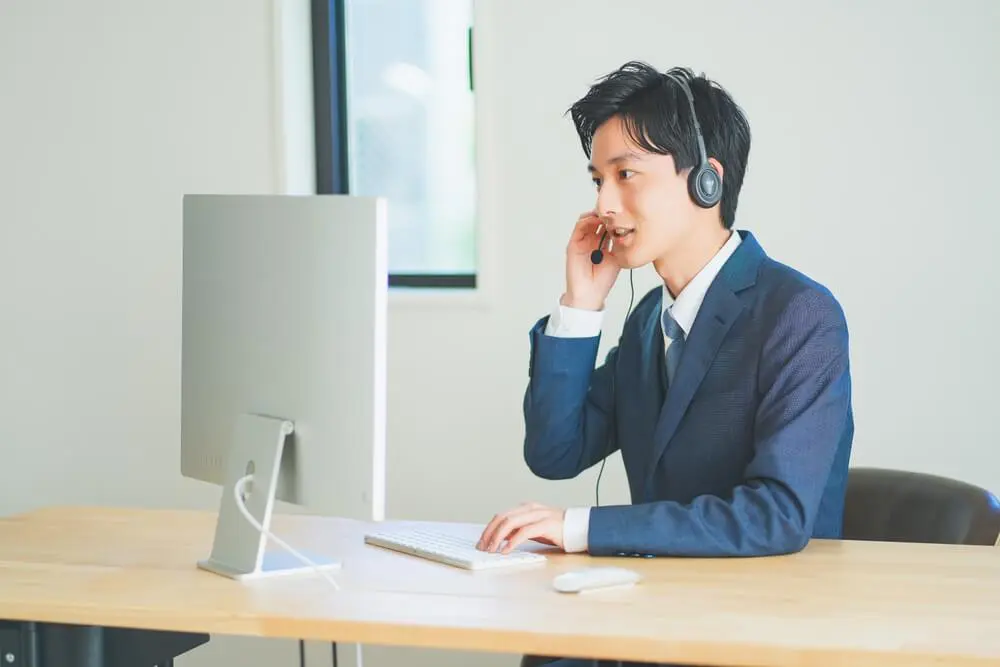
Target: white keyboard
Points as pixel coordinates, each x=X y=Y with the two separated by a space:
x=448 y=549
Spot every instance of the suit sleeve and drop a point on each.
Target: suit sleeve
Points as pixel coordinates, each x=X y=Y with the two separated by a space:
x=567 y=405
x=800 y=423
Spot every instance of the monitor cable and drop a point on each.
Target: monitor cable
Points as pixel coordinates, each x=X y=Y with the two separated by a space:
x=238 y=491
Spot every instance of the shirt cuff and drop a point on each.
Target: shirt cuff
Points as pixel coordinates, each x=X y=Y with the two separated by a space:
x=576 y=529
x=566 y=322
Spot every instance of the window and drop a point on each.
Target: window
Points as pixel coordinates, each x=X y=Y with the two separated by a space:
x=394 y=118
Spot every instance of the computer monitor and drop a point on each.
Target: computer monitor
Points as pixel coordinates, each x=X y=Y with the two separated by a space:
x=283 y=363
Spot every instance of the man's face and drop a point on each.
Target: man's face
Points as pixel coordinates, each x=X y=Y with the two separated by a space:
x=640 y=196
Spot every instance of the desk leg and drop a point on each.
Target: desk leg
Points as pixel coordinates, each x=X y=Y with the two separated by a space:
x=29 y=644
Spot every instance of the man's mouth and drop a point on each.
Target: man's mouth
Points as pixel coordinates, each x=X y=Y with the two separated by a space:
x=621 y=232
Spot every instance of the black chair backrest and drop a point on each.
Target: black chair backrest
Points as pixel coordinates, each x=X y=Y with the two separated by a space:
x=903 y=506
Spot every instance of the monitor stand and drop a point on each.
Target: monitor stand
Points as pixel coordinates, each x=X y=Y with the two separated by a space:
x=239 y=550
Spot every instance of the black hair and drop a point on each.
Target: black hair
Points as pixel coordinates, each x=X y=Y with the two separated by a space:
x=657 y=117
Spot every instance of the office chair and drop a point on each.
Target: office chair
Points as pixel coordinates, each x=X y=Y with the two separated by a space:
x=902 y=506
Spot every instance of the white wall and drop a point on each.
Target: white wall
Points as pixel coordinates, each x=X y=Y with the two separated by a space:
x=873 y=155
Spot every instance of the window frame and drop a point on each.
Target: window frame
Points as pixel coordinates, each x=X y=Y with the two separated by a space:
x=329 y=61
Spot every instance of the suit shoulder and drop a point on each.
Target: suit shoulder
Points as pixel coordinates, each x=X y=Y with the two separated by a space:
x=640 y=313
x=788 y=291
x=650 y=299
x=647 y=303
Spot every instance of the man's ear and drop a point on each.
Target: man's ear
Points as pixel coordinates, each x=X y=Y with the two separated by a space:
x=718 y=167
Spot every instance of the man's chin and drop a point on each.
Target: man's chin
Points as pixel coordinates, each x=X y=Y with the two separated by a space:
x=631 y=260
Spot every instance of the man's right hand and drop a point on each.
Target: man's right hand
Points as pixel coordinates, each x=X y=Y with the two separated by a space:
x=588 y=284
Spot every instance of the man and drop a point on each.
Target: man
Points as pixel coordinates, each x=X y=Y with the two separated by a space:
x=729 y=393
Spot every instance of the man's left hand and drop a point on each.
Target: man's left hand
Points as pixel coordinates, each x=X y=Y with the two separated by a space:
x=529 y=521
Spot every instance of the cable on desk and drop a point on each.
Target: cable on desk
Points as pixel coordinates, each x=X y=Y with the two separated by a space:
x=238 y=492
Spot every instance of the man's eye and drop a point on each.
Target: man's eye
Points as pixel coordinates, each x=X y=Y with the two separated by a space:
x=597 y=182
x=626 y=174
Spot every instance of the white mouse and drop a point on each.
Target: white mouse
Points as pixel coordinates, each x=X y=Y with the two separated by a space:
x=593 y=578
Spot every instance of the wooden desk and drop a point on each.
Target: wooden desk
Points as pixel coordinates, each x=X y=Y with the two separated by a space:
x=836 y=603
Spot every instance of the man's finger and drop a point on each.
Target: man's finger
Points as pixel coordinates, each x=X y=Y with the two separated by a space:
x=512 y=523
x=509 y=525
x=538 y=529
x=491 y=528
x=586 y=224
x=488 y=531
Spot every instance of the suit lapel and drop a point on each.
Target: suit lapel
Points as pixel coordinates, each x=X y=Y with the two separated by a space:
x=652 y=358
x=719 y=310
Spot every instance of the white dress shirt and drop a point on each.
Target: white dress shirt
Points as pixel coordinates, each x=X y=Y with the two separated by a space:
x=568 y=322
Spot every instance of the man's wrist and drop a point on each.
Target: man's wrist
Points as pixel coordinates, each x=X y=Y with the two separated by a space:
x=566 y=322
x=581 y=303
x=576 y=529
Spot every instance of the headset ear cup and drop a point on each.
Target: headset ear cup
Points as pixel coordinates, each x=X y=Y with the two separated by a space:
x=705 y=185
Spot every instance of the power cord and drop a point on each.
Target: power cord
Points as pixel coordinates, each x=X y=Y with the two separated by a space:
x=333 y=655
x=614 y=410
x=333 y=646
x=238 y=491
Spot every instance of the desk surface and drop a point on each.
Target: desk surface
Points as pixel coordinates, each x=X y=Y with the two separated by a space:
x=836 y=603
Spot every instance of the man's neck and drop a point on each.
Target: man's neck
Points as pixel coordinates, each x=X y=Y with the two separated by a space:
x=684 y=263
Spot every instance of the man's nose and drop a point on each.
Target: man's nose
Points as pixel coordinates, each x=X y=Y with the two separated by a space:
x=608 y=201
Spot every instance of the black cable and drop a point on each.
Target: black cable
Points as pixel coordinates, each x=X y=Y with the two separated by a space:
x=302 y=653
x=614 y=410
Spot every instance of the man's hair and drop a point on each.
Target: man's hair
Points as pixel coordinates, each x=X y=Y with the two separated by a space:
x=657 y=117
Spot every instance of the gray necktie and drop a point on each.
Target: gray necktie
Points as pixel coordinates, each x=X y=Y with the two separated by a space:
x=673 y=335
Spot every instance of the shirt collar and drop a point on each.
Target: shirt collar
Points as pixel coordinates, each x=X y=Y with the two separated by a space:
x=685 y=308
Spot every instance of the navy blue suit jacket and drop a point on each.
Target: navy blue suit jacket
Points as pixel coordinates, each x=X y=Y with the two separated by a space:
x=746 y=454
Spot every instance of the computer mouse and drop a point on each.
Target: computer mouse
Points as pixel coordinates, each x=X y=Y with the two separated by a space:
x=594 y=578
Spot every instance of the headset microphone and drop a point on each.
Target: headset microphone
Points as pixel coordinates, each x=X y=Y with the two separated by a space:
x=597 y=256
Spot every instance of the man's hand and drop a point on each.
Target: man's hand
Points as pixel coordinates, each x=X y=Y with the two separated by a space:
x=529 y=521
x=587 y=285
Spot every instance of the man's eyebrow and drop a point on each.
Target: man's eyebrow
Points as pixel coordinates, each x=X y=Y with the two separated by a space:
x=618 y=159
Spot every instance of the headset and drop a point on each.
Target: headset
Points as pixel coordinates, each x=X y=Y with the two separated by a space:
x=704 y=181
x=705 y=189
